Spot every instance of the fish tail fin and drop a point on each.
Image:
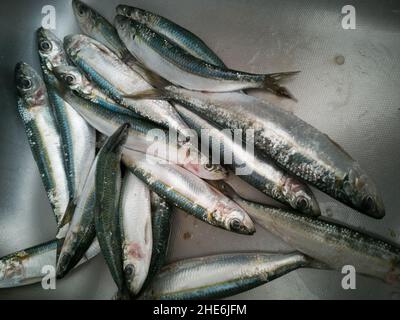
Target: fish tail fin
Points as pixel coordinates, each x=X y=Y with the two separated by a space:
x=271 y=83
x=151 y=94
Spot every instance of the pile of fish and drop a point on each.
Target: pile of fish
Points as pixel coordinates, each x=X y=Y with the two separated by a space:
x=110 y=127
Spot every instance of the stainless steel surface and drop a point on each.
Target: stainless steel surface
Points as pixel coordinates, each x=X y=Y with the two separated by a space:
x=357 y=103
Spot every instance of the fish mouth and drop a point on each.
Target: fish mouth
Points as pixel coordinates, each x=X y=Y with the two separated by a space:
x=362 y=194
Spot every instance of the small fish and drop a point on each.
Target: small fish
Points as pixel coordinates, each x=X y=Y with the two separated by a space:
x=137 y=242
x=330 y=243
x=97 y=27
x=45 y=142
x=161 y=214
x=188 y=192
x=107 y=190
x=81 y=231
x=116 y=80
x=181 y=68
x=173 y=32
x=25 y=267
x=77 y=136
x=106 y=117
x=259 y=172
x=290 y=142
x=222 y=275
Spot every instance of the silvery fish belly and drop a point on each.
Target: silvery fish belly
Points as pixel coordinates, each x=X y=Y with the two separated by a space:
x=116 y=79
x=331 y=243
x=81 y=232
x=260 y=173
x=106 y=217
x=221 y=275
x=135 y=215
x=28 y=266
x=188 y=192
x=40 y=126
x=173 y=32
x=293 y=144
x=143 y=135
x=77 y=136
x=32 y=265
x=179 y=67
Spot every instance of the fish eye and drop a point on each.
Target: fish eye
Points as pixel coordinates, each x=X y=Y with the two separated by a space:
x=368 y=204
x=81 y=10
x=129 y=270
x=209 y=166
x=234 y=224
x=69 y=79
x=302 y=203
x=25 y=83
x=45 y=45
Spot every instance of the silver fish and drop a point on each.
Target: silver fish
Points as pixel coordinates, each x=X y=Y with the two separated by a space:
x=161 y=214
x=143 y=136
x=188 y=192
x=25 y=267
x=116 y=79
x=41 y=128
x=107 y=189
x=137 y=242
x=330 y=243
x=181 y=68
x=173 y=32
x=96 y=26
x=81 y=231
x=222 y=275
x=291 y=143
x=259 y=172
x=77 y=136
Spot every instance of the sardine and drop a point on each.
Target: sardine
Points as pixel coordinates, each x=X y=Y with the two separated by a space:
x=96 y=26
x=259 y=172
x=116 y=80
x=26 y=266
x=188 y=192
x=330 y=243
x=290 y=142
x=161 y=214
x=135 y=215
x=81 y=231
x=77 y=136
x=173 y=32
x=41 y=128
x=107 y=190
x=181 y=68
x=143 y=136
x=222 y=275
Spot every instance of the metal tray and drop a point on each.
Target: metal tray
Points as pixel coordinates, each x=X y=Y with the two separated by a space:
x=348 y=88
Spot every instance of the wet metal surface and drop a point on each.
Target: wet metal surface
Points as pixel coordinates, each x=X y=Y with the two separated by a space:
x=348 y=88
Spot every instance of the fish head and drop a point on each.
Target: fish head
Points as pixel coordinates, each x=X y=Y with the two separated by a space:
x=230 y=216
x=300 y=197
x=127 y=29
x=87 y=17
x=210 y=171
x=12 y=272
x=72 y=78
x=29 y=84
x=361 y=193
x=136 y=267
x=50 y=49
x=134 y=13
